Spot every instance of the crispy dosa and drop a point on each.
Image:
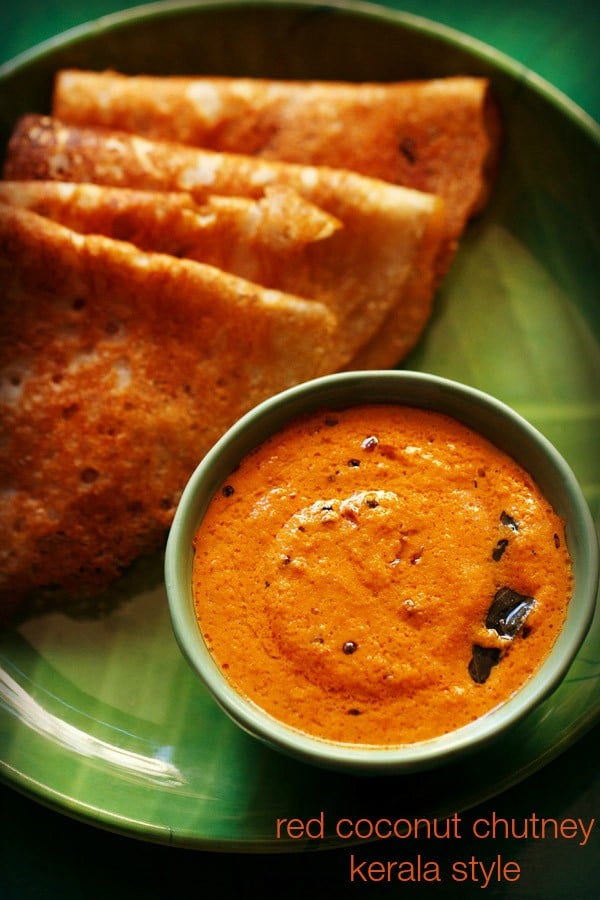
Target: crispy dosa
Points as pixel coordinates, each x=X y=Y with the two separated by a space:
x=364 y=271
x=249 y=237
x=439 y=135
x=118 y=370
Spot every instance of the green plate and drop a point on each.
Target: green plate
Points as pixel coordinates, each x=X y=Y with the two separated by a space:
x=100 y=716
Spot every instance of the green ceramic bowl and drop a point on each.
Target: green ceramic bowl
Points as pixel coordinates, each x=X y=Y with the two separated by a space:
x=481 y=412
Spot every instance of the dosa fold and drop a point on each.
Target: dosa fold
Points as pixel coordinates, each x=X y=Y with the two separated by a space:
x=439 y=135
x=119 y=369
x=364 y=271
x=253 y=238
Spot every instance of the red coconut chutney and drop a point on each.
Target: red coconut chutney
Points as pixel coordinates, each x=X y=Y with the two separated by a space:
x=379 y=575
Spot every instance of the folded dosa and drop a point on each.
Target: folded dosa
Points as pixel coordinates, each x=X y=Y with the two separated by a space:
x=438 y=135
x=118 y=370
x=364 y=271
x=249 y=237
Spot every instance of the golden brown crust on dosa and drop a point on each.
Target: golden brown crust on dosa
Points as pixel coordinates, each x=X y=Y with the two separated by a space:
x=360 y=271
x=439 y=135
x=170 y=222
x=118 y=370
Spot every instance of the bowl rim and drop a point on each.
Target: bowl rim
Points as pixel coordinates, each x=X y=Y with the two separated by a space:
x=473 y=407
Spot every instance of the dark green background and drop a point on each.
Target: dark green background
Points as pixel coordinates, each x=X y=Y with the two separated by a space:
x=46 y=855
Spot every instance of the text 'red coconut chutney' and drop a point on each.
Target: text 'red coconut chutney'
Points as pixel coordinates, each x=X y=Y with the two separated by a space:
x=379 y=575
